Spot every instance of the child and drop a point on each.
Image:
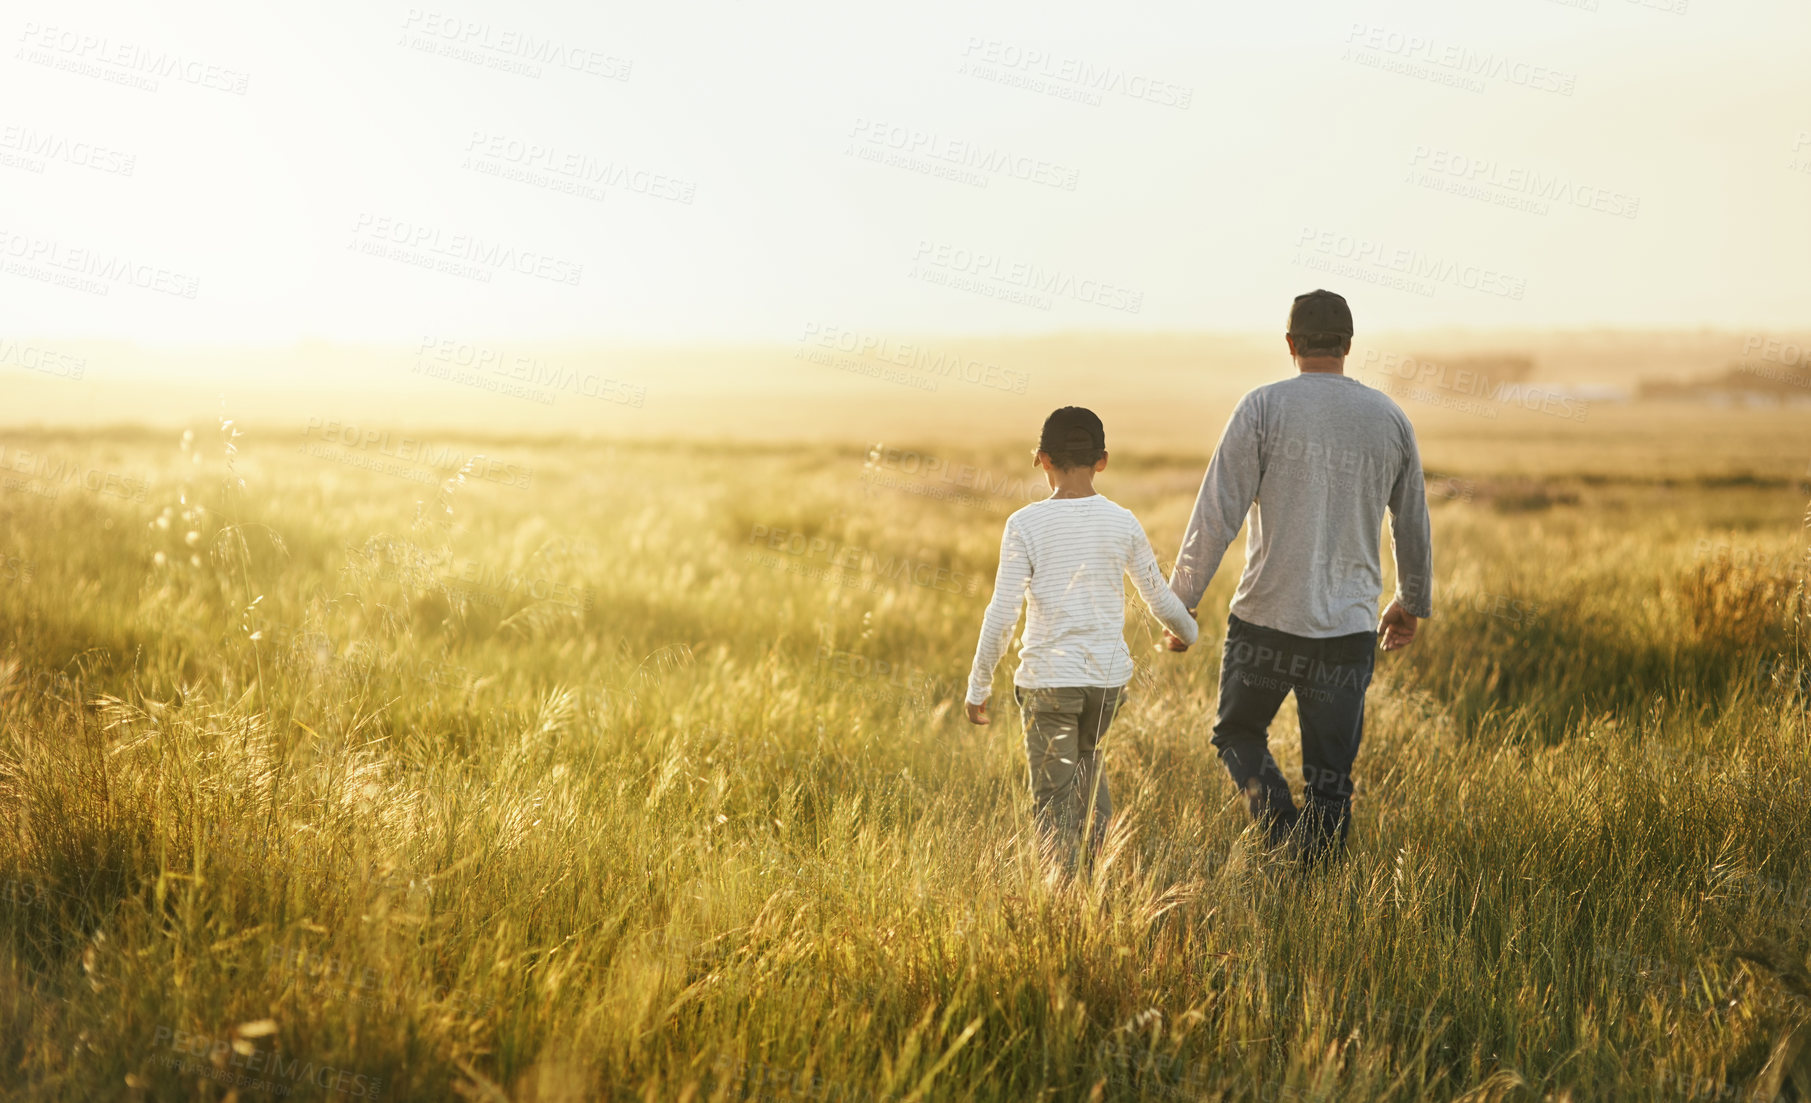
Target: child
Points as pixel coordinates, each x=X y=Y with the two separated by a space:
x=1064 y=557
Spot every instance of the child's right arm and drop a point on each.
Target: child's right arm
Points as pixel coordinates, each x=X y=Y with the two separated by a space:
x=1002 y=612
x=1147 y=577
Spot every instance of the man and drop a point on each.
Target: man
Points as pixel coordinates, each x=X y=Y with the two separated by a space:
x=1315 y=459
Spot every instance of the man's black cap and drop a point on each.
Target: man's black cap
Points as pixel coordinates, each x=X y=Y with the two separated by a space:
x=1320 y=312
x=1072 y=429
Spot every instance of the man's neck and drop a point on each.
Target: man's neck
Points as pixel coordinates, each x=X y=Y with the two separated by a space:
x=1321 y=365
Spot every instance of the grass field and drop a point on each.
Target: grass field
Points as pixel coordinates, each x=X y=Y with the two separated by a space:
x=638 y=771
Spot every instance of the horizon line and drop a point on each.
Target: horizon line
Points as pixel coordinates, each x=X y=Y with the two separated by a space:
x=941 y=335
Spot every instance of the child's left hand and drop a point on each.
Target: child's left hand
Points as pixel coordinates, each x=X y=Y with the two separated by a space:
x=977 y=714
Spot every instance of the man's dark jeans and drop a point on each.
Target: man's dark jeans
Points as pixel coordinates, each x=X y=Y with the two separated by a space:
x=1258 y=668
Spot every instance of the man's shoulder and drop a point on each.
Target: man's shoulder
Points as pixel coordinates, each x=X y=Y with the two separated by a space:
x=1262 y=393
x=1391 y=408
x=1379 y=398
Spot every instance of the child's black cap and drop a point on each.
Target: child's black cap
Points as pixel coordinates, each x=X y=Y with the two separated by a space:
x=1072 y=430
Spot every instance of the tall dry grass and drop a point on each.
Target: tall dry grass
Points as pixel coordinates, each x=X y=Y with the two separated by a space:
x=320 y=804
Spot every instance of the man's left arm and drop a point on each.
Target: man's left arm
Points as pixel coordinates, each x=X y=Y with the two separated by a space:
x=1411 y=536
x=1227 y=491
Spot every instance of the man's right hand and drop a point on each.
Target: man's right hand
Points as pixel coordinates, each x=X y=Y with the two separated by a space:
x=1398 y=627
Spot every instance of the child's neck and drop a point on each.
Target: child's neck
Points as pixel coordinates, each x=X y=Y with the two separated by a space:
x=1078 y=483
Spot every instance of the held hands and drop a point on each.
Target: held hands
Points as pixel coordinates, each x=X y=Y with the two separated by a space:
x=1398 y=627
x=1173 y=642
x=977 y=714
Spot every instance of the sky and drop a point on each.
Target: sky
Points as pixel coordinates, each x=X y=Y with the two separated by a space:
x=674 y=172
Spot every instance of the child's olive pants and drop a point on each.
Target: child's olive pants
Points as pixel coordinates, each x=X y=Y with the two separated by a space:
x=1063 y=730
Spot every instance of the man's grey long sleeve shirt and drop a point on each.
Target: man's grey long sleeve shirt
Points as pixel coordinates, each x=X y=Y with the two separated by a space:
x=1315 y=460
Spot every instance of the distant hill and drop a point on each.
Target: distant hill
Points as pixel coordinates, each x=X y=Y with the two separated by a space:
x=1752 y=379
x=824 y=383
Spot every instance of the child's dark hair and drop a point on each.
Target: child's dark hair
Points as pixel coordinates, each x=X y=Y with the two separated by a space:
x=1073 y=437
